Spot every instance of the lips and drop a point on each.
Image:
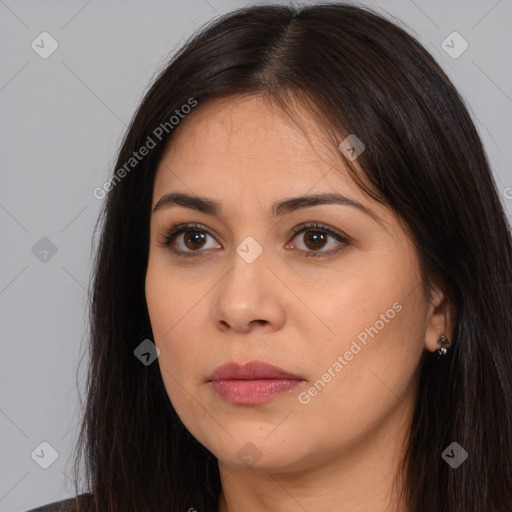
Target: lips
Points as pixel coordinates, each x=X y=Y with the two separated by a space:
x=253 y=370
x=252 y=383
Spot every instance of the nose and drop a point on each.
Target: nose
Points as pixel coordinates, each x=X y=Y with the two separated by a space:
x=249 y=297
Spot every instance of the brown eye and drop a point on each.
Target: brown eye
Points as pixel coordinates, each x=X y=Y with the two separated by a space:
x=188 y=240
x=191 y=240
x=315 y=240
x=194 y=239
x=315 y=237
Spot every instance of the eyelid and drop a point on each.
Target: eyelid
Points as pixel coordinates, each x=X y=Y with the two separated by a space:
x=341 y=237
x=320 y=227
x=171 y=235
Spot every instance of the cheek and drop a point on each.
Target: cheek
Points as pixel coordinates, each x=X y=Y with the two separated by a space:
x=369 y=369
x=370 y=302
x=167 y=308
x=172 y=299
x=177 y=314
x=370 y=353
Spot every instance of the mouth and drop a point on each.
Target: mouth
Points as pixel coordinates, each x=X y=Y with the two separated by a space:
x=252 y=392
x=252 y=370
x=252 y=383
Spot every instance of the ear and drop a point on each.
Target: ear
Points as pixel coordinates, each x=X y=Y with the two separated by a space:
x=439 y=319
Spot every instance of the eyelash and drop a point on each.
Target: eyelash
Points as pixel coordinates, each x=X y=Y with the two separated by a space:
x=174 y=232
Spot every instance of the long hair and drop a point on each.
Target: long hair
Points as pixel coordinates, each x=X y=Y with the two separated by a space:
x=355 y=72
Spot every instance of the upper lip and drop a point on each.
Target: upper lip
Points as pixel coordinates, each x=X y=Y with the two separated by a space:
x=251 y=370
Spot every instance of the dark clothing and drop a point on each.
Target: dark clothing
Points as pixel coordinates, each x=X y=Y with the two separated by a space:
x=68 y=505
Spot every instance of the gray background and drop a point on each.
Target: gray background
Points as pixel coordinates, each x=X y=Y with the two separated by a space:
x=62 y=119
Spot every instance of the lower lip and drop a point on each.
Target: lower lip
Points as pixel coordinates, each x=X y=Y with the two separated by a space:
x=249 y=392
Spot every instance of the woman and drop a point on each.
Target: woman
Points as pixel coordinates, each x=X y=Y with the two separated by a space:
x=230 y=370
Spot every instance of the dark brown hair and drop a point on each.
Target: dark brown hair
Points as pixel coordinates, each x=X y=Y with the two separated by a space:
x=356 y=72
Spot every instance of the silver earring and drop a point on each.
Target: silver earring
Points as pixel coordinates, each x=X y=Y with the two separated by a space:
x=445 y=343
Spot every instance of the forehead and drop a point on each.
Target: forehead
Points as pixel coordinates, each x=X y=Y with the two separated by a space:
x=251 y=142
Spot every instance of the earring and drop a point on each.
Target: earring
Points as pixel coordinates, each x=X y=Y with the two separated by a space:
x=445 y=343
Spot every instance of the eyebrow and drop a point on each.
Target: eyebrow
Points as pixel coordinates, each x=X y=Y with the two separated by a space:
x=278 y=209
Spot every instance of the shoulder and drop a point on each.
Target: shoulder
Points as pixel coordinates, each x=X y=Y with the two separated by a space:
x=67 y=505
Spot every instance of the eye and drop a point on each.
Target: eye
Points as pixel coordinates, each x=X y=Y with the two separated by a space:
x=195 y=236
x=194 y=239
x=316 y=239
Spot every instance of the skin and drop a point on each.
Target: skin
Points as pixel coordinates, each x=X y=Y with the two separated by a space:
x=340 y=450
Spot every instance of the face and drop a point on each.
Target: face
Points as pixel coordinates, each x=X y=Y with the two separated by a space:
x=330 y=293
